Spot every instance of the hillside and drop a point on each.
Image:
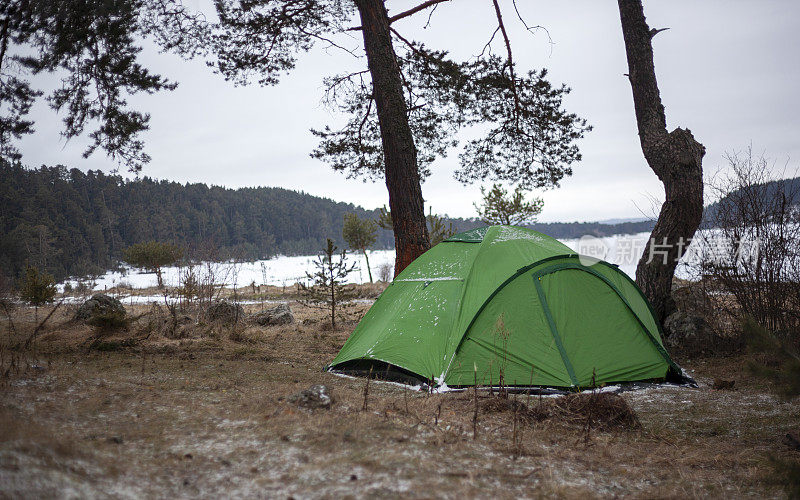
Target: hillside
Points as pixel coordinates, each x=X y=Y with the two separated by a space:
x=788 y=186
x=70 y=222
x=74 y=223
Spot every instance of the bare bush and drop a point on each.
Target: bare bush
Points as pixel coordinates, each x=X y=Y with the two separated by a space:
x=385 y=272
x=8 y=302
x=753 y=251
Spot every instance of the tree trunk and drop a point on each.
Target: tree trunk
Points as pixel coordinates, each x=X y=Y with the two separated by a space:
x=675 y=157
x=369 y=271
x=399 y=153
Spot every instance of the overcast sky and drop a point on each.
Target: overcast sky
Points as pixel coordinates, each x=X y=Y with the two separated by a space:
x=728 y=70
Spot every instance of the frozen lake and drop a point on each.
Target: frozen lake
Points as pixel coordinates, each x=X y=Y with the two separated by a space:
x=623 y=250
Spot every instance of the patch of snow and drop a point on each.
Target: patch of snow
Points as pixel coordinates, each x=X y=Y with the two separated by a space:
x=278 y=271
x=440 y=278
x=415 y=388
x=511 y=233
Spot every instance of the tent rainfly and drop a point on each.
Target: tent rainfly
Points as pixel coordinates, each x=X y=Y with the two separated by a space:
x=508 y=305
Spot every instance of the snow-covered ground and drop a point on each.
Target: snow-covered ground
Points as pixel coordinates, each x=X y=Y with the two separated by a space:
x=623 y=250
x=278 y=271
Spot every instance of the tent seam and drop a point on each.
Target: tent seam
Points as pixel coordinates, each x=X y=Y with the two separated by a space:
x=502 y=285
x=553 y=329
x=571 y=265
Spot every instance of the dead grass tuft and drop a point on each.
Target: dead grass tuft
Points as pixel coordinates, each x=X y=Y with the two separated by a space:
x=603 y=411
x=600 y=411
x=528 y=414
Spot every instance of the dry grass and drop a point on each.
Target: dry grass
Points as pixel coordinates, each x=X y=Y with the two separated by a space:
x=133 y=413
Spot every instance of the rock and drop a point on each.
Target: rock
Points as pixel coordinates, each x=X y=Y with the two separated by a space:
x=792 y=440
x=100 y=307
x=318 y=396
x=684 y=295
x=225 y=312
x=279 y=315
x=682 y=328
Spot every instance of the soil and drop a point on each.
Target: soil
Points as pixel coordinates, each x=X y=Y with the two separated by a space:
x=134 y=413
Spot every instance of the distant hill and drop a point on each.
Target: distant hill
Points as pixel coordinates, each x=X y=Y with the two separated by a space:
x=772 y=188
x=74 y=223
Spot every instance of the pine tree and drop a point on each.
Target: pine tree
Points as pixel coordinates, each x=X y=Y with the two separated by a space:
x=438 y=229
x=153 y=256
x=510 y=209
x=37 y=288
x=328 y=283
x=360 y=235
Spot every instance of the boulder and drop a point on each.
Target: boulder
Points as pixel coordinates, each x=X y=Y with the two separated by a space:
x=683 y=329
x=100 y=307
x=279 y=315
x=317 y=396
x=225 y=312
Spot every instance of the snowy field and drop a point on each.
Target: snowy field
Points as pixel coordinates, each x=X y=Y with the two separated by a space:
x=623 y=250
x=278 y=271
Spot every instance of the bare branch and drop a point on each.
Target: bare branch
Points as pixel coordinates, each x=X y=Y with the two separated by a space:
x=532 y=29
x=332 y=85
x=364 y=122
x=406 y=13
x=488 y=46
x=414 y=10
x=330 y=42
x=41 y=325
x=510 y=59
x=654 y=31
x=407 y=42
x=6 y=309
x=430 y=15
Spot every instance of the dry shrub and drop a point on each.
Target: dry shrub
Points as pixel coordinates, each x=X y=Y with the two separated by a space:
x=525 y=413
x=107 y=322
x=753 y=254
x=604 y=411
x=112 y=345
x=242 y=335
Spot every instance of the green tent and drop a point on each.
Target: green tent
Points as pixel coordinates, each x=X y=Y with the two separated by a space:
x=504 y=304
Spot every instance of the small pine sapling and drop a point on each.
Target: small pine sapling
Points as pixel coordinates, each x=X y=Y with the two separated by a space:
x=37 y=288
x=328 y=287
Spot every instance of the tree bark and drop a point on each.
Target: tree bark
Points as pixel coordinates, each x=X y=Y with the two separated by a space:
x=399 y=153
x=675 y=157
x=333 y=296
x=366 y=258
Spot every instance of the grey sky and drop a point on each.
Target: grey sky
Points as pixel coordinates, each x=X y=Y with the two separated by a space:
x=728 y=70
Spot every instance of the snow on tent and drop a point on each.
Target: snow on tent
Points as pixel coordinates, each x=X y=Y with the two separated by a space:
x=511 y=302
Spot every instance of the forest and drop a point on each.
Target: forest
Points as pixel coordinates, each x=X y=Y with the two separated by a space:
x=72 y=223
